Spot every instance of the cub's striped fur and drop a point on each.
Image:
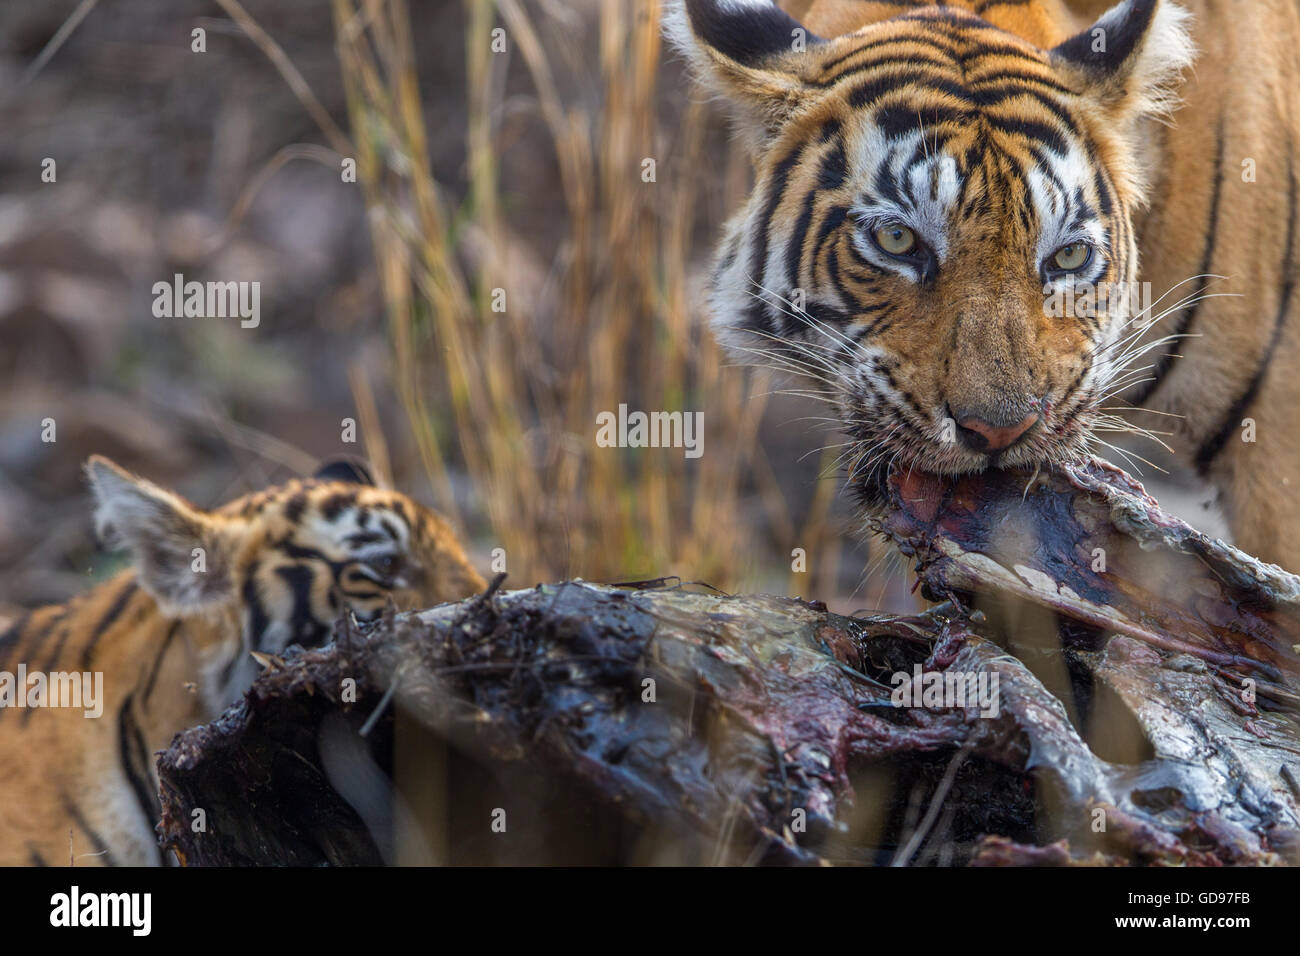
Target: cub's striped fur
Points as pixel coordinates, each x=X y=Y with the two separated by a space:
x=934 y=181
x=172 y=638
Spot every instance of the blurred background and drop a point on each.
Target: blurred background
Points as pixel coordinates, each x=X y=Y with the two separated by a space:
x=505 y=266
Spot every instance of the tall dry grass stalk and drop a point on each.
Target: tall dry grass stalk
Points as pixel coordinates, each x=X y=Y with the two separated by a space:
x=512 y=397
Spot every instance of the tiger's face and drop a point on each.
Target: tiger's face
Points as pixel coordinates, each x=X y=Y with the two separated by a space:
x=282 y=565
x=310 y=550
x=940 y=231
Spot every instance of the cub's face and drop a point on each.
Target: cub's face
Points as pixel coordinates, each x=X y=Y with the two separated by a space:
x=308 y=550
x=280 y=566
x=940 y=232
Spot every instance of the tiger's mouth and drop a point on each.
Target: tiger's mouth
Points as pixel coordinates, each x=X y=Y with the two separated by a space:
x=875 y=488
x=879 y=452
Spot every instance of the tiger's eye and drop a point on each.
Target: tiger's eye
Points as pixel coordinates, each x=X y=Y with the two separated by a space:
x=386 y=565
x=1073 y=257
x=896 y=239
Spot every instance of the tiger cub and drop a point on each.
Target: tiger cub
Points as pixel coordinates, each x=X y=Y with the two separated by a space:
x=948 y=208
x=166 y=644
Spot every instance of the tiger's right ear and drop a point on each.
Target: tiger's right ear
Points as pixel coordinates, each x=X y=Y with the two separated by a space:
x=180 y=559
x=344 y=469
x=1130 y=62
x=750 y=52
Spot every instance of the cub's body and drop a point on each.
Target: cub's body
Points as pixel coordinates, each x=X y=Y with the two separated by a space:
x=171 y=639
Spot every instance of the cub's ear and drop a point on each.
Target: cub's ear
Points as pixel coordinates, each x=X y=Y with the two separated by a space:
x=1129 y=62
x=750 y=52
x=180 y=559
x=344 y=469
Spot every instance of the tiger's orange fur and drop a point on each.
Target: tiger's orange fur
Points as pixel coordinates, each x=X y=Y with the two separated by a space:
x=173 y=643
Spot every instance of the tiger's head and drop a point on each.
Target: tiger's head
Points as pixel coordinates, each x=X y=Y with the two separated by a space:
x=940 y=231
x=279 y=566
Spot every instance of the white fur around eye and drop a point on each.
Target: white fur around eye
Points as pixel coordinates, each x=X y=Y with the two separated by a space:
x=930 y=189
x=871 y=218
x=1056 y=211
x=332 y=535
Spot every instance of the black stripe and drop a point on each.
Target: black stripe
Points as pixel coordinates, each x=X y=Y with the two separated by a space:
x=833 y=275
x=1210 y=449
x=883 y=182
x=833 y=219
x=1010 y=76
x=1042 y=132
x=111 y=615
x=1064 y=400
x=758 y=315
x=834 y=168
x=1045 y=170
x=729 y=254
x=134 y=758
x=858 y=260
x=304 y=627
x=9 y=639
x=997 y=95
x=922 y=40
x=794 y=250
x=1103 y=193
x=97 y=843
x=157 y=664
x=873 y=90
x=35 y=643
x=1164 y=363
x=877 y=326
x=828 y=169
x=293 y=508
x=987 y=49
x=892 y=58
x=302 y=553
x=899 y=120
x=34 y=857
x=333 y=506
x=38 y=638
x=903 y=393
x=258 y=619
x=828 y=315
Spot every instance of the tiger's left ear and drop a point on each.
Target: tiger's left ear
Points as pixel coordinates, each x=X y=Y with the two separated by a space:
x=179 y=554
x=1129 y=62
x=751 y=52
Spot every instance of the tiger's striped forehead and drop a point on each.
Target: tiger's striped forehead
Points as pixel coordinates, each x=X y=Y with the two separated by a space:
x=339 y=517
x=953 y=119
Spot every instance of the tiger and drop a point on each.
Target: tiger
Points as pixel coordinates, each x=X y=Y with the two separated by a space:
x=173 y=639
x=932 y=186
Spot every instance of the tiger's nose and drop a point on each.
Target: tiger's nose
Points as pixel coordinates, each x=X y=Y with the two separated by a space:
x=991 y=432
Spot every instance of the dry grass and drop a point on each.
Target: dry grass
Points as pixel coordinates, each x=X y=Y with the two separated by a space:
x=512 y=397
